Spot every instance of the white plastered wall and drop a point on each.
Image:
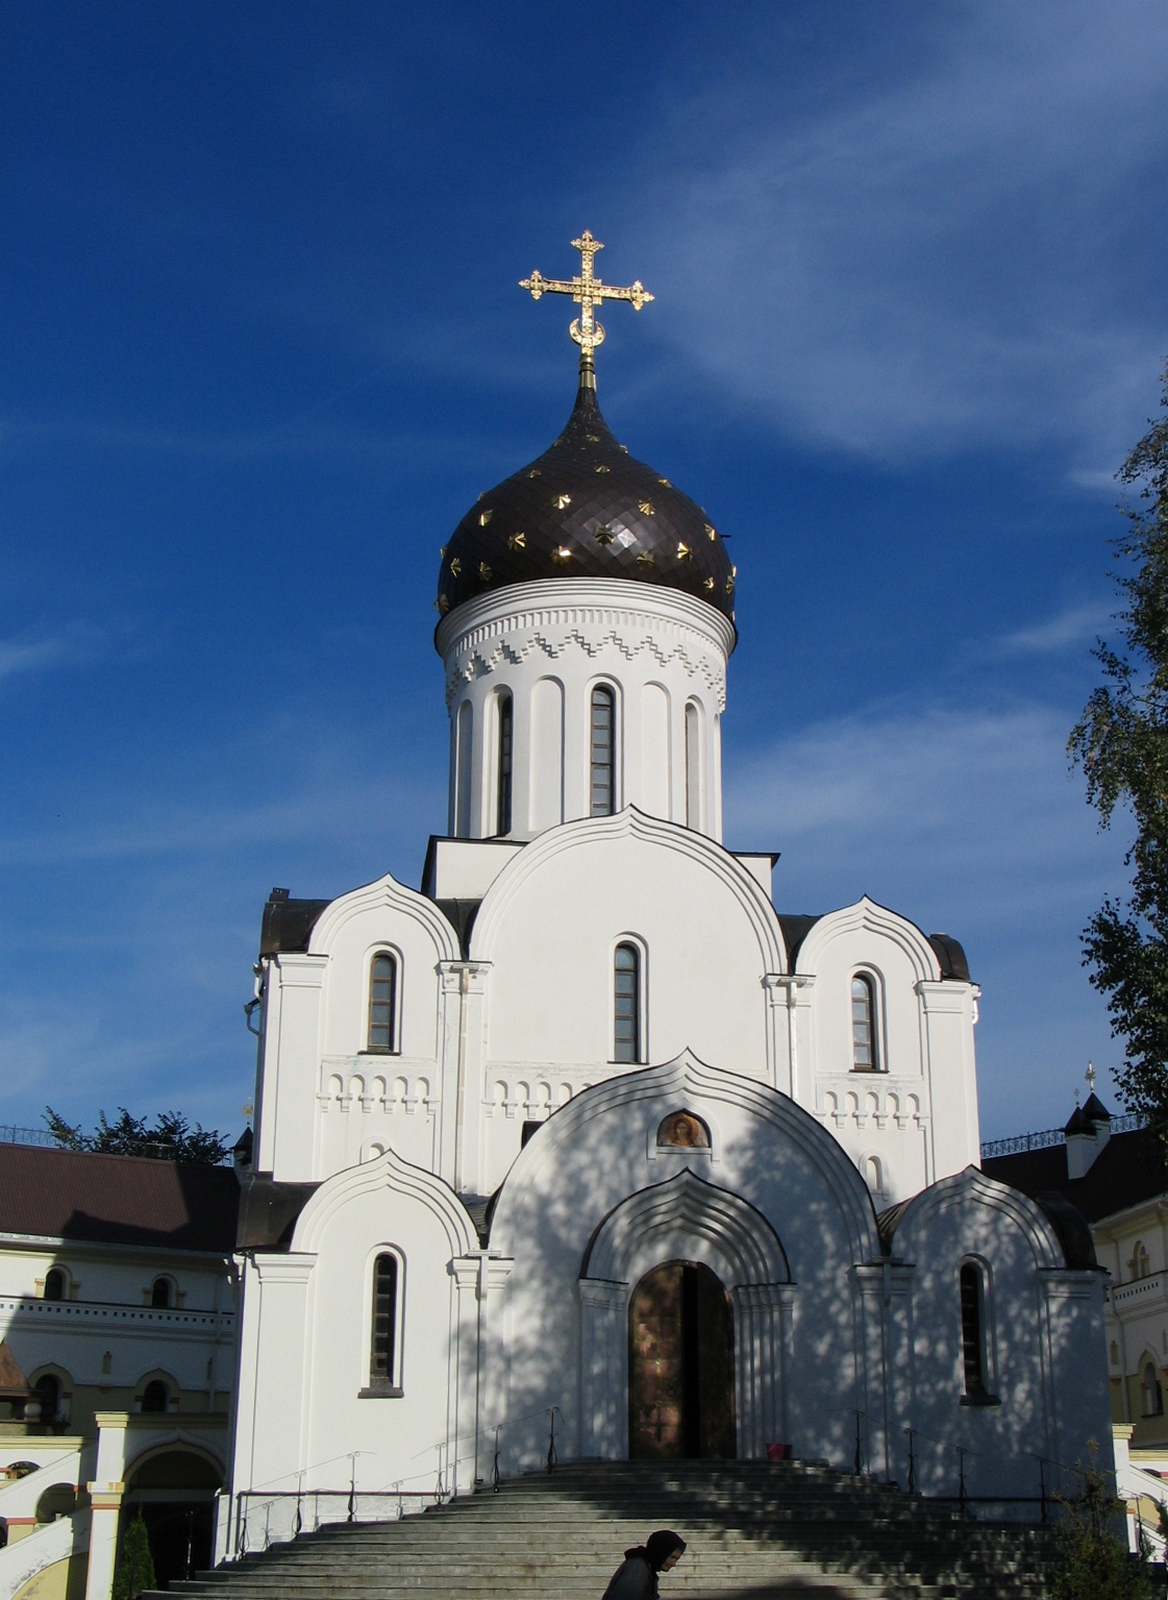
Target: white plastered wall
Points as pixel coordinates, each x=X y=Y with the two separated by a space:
x=917 y=1116
x=1044 y=1335
x=324 y=1101
x=708 y=938
x=305 y=1346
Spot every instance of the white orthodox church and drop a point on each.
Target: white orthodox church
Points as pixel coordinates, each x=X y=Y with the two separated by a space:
x=582 y=1135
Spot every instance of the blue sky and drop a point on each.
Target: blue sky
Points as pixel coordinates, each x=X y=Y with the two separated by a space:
x=261 y=344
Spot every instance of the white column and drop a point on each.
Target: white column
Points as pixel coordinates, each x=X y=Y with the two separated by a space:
x=105 y=1496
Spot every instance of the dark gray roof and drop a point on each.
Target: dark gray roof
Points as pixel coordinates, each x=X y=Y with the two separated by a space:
x=1130 y=1168
x=460 y=914
x=610 y=515
x=268 y=1211
x=950 y=954
x=288 y=923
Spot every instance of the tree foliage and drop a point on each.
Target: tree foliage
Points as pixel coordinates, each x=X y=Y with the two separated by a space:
x=135 y=1569
x=172 y=1138
x=1093 y=1563
x=1121 y=743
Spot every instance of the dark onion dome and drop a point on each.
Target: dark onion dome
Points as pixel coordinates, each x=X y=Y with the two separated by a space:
x=586 y=508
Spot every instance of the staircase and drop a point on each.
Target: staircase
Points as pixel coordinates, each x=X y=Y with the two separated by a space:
x=754 y=1530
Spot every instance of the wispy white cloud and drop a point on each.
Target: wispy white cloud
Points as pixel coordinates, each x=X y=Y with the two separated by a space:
x=966 y=821
x=958 y=256
x=1074 y=626
x=23 y=657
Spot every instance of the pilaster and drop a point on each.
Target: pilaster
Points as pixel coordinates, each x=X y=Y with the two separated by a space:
x=463 y=1047
x=788 y=1034
x=947 y=1025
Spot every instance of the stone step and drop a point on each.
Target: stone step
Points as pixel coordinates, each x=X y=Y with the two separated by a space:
x=772 y=1529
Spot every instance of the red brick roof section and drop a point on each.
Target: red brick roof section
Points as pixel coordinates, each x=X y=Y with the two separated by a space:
x=62 y=1194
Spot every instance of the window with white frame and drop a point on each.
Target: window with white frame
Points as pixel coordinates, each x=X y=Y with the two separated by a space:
x=382 y=1034
x=385 y=1326
x=626 y=1003
x=975 y=1349
x=865 y=1057
x=503 y=762
x=603 y=743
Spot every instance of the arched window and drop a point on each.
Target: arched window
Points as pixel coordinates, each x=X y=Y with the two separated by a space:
x=155 y=1396
x=973 y=1335
x=55 y=1284
x=503 y=795
x=160 y=1293
x=463 y=732
x=383 y=1344
x=47 y=1390
x=693 y=766
x=863 y=1024
x=1139 y=1260
x=1153 y=1394
x=382 y=1003
x=603 y=772
x=626 y=989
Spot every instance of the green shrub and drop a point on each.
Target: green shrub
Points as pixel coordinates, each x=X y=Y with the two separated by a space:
x=1093 y=1563
x=135 y=1569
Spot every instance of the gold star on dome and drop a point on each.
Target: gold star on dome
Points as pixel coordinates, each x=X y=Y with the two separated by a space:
x=588 y=292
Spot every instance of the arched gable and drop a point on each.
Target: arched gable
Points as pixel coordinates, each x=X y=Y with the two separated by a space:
x=680 y=1218
x=692 y=1084
x=631 y=823
x=384 y=893
x=962 y=1193
x=869 y=918
x=392 y=1176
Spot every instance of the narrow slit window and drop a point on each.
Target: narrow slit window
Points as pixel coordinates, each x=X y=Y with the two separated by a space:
x=503 y=798
x=382 y=1003
x=382 y=1362
x=973 y=1333
x=693 y=767
x=627 y=1003
x=1153 y=1393
x=603 y=720
x=863 y=1025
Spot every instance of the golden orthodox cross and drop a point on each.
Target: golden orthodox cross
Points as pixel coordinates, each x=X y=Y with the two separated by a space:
x=587 y=291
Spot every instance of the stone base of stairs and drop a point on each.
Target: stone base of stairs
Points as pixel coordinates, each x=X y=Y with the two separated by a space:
x=754 y=1530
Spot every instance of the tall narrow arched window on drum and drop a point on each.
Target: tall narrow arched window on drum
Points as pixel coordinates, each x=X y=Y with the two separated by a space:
x=626 y=1022
x=504 y=762
x=382 y=1003
x=603 y=744
x=864 y=1057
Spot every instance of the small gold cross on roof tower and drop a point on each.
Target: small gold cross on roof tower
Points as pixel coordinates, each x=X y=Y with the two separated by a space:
x=587 y=291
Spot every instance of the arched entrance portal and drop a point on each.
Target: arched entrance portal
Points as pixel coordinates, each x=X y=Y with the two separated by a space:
x=681 y=1366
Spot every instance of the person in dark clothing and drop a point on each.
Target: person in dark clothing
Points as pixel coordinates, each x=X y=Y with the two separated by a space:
x=636 y=1577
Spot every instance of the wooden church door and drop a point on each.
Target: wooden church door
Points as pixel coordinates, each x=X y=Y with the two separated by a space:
x=681 y=1366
